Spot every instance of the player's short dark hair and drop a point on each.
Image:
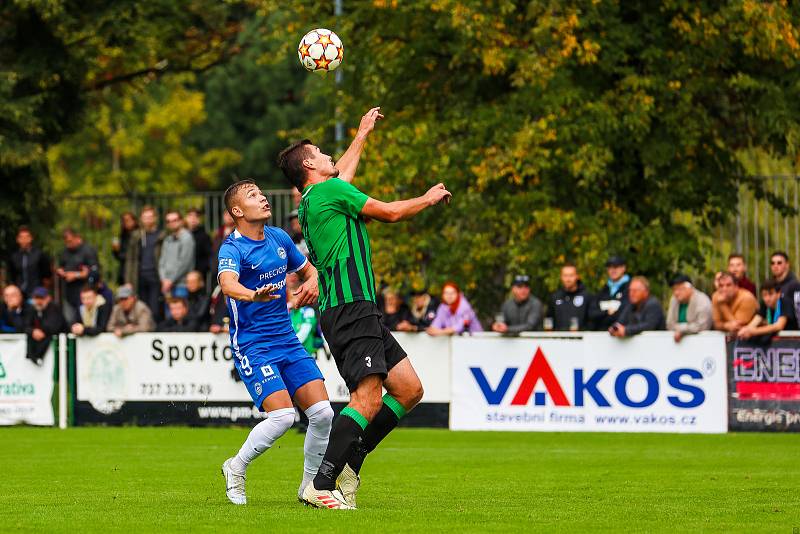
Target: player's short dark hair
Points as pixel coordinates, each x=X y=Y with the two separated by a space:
x=735 y=255
x=726 y=274
x=196 y=211
x=781 y=254
x=86 y=288
x=172 y=210
x=232 y=193
x=770 y=284
x=290 y=161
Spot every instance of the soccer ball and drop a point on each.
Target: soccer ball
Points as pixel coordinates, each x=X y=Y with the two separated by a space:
x=320 y=50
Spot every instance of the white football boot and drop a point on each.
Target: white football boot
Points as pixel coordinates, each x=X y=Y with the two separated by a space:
x=234 y=484
x=331 y=499
x=348 y=483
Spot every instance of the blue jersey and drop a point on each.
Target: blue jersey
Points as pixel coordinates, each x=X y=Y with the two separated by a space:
x=259 y=263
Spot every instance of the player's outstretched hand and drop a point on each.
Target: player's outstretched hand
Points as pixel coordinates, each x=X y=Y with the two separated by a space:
x=438 y=193
x=266 y=293
x=369 y=119
x=307 y=293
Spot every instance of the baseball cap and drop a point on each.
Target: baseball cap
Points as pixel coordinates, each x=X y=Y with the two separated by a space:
x=615 y=261
x=40 y=292
x=124 y=292
x=521 y=280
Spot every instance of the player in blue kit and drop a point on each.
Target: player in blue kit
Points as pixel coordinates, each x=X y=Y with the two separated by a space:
x=275 y=367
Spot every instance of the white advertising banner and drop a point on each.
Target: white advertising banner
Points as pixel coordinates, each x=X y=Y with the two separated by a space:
x=590 y=382
x=430 y=357
x=155 y=367
x=26 y=389
x=197 y=368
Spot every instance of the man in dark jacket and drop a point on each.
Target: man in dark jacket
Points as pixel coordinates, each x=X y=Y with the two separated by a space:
x=198 y=301
x=423 y=309
x=202 y=242
x=13 y=311
x=569 y=305
x=179 y=320
x=642 y=312
x=93 y=314
x=77 y=260
x=612 y=298
x=28 y=266
x=141 y=260
x=522 y=312
x=42 y=322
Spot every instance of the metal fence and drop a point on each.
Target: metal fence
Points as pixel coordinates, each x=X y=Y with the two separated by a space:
x=759 y=229
x=97 y=217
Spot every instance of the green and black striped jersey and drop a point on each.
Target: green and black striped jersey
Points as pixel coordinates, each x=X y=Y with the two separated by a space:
x=338 y=243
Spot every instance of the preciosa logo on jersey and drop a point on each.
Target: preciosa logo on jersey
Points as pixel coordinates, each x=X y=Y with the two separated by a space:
x=281 y=253
x=680 y=392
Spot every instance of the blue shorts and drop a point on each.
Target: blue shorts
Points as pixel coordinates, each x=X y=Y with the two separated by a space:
x=267 y=370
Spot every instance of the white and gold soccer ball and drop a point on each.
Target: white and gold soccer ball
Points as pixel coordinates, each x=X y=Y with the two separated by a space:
x=320 y=51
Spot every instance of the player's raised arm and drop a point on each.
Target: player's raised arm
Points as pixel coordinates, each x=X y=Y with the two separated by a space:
x=308 y=291
x=229 y=283
x=401 y=210
x=348 y=163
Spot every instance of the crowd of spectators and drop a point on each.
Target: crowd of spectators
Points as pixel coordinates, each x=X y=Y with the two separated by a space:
x=167 y=282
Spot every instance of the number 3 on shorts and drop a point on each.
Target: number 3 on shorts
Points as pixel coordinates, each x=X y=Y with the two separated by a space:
x=368 y=359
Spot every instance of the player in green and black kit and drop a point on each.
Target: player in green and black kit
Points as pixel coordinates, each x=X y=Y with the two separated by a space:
x=332 y=213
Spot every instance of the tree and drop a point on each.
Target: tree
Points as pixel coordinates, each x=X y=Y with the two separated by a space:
x=566 y=130
x=57 y=55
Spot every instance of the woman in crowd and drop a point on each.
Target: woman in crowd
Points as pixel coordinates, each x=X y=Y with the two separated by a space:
x=455 y=315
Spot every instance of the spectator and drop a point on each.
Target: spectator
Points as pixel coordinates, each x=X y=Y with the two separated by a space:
x=771 y=317
x=177 y=254
x=787 y=283
x=738 y=268
x=522 y=312
x=129 y=314
x=642 y=311
x=296 y=232
x=570 y=304
x=220 y=235
x=119 y=245
x=395 y=314
x=44 y=320
x=94 y=313
x=78 y=259
x=141 y=259
x=423 y=309
x=781 y=269
x=732 y=307
x=199 y=303
x=304 y=321
x=179 y=319
x=220 y=322
x=28 y=267
x=13 y=311
x=613 y=297
x=454 y=315
x=689 y=309
x=202 y=242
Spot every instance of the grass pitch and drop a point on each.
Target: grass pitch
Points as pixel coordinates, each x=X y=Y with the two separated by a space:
x=167 y=479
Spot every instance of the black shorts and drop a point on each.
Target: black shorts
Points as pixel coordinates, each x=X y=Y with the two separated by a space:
x=360 y=343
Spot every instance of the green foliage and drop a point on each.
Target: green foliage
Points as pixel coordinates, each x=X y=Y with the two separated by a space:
x=566 y=130
x=57 y=56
